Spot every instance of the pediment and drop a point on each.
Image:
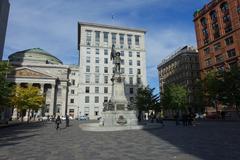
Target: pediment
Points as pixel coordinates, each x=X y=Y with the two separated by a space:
x=28 y=73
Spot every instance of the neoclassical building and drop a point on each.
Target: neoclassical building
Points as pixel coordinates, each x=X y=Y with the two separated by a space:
x=38 y=68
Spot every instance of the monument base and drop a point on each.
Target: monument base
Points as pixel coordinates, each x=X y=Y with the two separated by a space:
x=119 y=118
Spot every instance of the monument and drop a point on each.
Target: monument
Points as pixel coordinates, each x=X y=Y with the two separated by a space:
x=116 y=111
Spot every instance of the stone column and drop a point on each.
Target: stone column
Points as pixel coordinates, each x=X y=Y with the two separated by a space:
x=52 y=104
x=14 y=116
x=64 y=99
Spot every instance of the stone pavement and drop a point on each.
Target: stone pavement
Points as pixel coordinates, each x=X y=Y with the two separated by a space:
x=206 y=141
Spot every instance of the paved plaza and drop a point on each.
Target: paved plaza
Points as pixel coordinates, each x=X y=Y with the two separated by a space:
x=206 y=141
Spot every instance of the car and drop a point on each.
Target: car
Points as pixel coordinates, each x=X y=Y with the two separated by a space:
x=63 y=118
x=83 y=118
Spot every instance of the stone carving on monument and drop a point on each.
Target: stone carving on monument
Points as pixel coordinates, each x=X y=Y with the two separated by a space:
x=116 y=111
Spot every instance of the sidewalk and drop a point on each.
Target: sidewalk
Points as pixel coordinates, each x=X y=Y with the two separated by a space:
x=15 y=123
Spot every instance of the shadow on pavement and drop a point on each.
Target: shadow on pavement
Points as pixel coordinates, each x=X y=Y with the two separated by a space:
x=206 y=140
x=13 y=135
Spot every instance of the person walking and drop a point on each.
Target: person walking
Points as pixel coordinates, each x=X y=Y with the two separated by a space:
x=58 y=121
x=67 y=121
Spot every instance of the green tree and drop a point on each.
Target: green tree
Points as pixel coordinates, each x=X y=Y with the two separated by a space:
x=174 y=97
x=146 y=100
x=27 y=99
x=5 y=87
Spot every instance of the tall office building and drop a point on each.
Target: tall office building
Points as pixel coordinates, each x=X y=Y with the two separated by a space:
x=4 y=11
x=96 y=68
x=181 y=68
x=217 y=27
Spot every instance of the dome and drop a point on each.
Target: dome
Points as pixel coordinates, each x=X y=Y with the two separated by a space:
x=34 y=55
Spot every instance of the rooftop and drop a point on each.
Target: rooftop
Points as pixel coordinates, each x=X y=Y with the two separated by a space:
x=111 y=26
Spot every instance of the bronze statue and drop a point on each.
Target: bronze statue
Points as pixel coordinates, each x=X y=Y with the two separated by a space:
x=115 y=56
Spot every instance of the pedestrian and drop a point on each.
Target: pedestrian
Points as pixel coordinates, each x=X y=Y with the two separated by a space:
x=58 y=121
x=67 y=121
x=177 y=118
x=184 y=119
x=223 y=113
x=161 y=118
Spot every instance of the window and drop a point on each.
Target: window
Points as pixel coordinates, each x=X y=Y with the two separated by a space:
x=105 y=60
x=97 y=37
x=87 y=99
x=121 y=36
x=122 y=70
x=231 y=53
x=219 y=58
x=207 y=51
x=105 y=99
x=130 y=54
x=122 y=53
x=138 y=63
x=205 y=32
x=87 y=78
x=130 y=71
x=226 y=18
x=96 y=89
x=105 y=37
x=122 y=61
x=113 y=38
x=87 y=59
x=97 y=60
x=73 y=73
x=130 y=62
x=105 y=69
x=73 y=82
x=224 y=6
x=208 y=62
x=96 y=113
x=139 y=80
x=131 y=90
x=97 y=69
x=137 y=40
x=217 y=46
x=130 y=80
x=138 y=54
x=87 y=89
x=97 y=51
x=88 y=50
x=88 y=37
x=228 y=29
x=106 y=79
x=96 y=99
x=105 y=89
x=87 y=68
x=138 y=71
x=96 y=78
x=72 y=91
x=203 y=21
x=213 y=16
x=131 y=99
x=105 y=52
x=71 y=100
x=229 y=40
x=129 y=39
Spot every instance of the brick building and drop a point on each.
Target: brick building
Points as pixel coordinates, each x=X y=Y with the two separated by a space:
x=217 y=27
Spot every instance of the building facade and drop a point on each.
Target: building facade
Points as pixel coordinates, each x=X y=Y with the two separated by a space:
x=217 y=27
x=4 y=12
x=38 y=68
x=181 y=68
x=96 y=68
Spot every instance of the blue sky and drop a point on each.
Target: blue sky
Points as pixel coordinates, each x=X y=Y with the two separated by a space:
x=52 y=25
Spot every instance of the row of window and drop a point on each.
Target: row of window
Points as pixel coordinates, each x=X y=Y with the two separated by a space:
x=106 y=70
x=97 y=60
x=217 y=46
x=220 y=58
x=106 y=79
x=87 y=90
x=89 y=35
x=106 y=52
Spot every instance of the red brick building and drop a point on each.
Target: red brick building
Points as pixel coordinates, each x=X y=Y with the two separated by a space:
x=217 y=27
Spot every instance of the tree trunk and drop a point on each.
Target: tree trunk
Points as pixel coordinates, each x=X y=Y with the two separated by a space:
x=28 y=116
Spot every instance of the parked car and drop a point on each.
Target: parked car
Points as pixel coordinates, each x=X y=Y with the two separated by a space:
x=83 y=118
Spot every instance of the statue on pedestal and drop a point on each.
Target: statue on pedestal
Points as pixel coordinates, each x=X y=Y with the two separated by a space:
x=115 y=56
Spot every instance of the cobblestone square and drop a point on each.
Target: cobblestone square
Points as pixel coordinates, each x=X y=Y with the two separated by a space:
x=206 y=141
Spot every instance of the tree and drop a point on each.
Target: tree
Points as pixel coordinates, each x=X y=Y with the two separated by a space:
x=5 y=87
x=27 y=99
x=146 y=100
x=174 y=97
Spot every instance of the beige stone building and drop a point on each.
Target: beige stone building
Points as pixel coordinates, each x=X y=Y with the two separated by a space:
x=180 y=68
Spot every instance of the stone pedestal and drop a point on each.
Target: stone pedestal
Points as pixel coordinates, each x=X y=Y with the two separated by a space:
x=119 y=118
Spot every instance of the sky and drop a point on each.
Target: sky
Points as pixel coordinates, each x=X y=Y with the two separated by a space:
x=52 y=26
